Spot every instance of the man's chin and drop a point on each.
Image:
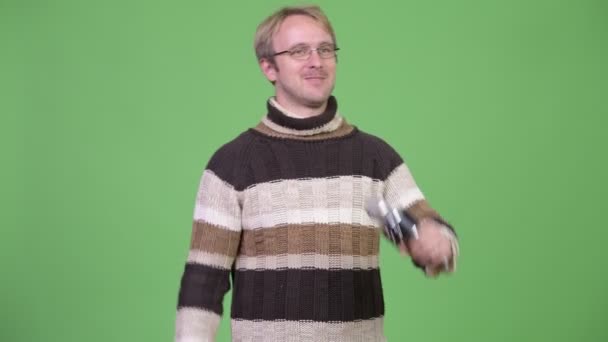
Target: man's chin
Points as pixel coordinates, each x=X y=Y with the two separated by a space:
x=317 y=101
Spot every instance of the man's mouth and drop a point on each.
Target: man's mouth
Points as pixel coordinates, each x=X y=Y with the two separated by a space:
x=314 y=77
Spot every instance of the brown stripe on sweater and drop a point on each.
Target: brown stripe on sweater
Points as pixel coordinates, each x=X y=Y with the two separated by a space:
x=203 y=287
x=307 y=295
x=326 y=239
x=213 y=239
x=344 y=130
x=254 y=158
x=421 y=209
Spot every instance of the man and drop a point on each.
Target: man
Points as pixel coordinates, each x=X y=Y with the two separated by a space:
x=281 y=209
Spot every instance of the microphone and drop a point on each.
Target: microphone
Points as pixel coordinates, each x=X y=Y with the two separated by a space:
x=398 y=225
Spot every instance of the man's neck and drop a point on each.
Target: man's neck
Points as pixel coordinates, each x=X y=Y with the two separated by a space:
x=298 y=111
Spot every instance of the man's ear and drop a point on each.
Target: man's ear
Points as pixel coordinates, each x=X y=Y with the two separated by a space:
x=269 y=69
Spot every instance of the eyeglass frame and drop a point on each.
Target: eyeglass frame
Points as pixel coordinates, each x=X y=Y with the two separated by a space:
x=309 y=53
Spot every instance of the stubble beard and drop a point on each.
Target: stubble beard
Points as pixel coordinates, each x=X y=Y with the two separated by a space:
x=305 y=99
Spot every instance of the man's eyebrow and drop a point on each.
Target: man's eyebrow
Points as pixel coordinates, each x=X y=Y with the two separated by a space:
x=324 y=43
x=298 y=45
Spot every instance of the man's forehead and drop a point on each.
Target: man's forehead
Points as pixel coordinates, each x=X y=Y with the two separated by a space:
x=301 y=29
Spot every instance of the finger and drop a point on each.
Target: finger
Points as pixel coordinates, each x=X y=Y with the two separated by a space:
x=403 y=249
x=431 y=271
x=448 y=265
x=441 y=264
x=441 y=254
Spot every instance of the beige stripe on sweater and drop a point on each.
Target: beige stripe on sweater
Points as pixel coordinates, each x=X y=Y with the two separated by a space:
x=274 y=331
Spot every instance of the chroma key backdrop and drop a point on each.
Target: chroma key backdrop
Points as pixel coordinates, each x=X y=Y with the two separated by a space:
x=110 y=111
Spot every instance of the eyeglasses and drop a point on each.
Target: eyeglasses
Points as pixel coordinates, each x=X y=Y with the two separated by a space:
x=302 y=52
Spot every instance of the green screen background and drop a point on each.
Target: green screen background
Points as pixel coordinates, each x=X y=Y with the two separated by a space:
x=110 y=111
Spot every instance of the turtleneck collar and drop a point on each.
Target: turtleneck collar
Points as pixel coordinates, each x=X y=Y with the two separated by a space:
x=278 y=119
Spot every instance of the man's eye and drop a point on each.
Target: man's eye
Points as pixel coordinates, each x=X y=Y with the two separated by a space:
x=299 y=51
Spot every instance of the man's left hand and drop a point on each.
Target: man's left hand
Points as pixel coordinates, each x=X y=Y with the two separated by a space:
x=435 y=249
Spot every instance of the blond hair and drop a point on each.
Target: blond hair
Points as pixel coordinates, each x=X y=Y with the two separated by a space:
x=269 y=27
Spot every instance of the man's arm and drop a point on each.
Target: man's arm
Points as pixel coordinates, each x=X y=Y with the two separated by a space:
x=436 y=248
x=216 y=233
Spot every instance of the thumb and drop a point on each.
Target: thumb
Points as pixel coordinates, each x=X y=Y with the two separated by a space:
x=403 y=249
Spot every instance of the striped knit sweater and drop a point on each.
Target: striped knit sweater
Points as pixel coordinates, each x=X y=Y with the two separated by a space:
x=280 y=214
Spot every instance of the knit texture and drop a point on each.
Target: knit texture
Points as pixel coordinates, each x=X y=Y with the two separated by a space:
x=280 y=214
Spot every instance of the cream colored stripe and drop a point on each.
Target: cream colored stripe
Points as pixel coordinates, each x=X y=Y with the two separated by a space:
x=210 y=259
x=193 y=324
x=401 y=190
x=358 y=331
x=277 y=105
x=311 y=200
x=217 y=202
x=217 y=218
x=318 y=261
x=356 y=216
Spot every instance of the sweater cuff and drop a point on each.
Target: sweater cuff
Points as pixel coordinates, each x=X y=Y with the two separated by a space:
x=421 y=209
x=196 y=325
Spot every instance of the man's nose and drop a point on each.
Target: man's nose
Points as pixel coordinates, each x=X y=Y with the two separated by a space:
x=314 y=59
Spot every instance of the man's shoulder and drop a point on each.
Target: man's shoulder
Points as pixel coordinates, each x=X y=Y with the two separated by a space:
x=386 y=156
x=229 y=159
x=236 y=145
x=376 y=141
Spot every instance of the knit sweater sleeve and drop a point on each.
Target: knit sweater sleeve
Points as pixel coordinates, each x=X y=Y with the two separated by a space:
x=216 y=234
x=400 y=188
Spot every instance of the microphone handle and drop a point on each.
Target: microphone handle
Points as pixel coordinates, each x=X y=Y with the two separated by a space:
x=400 y=226
x=408 y=226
